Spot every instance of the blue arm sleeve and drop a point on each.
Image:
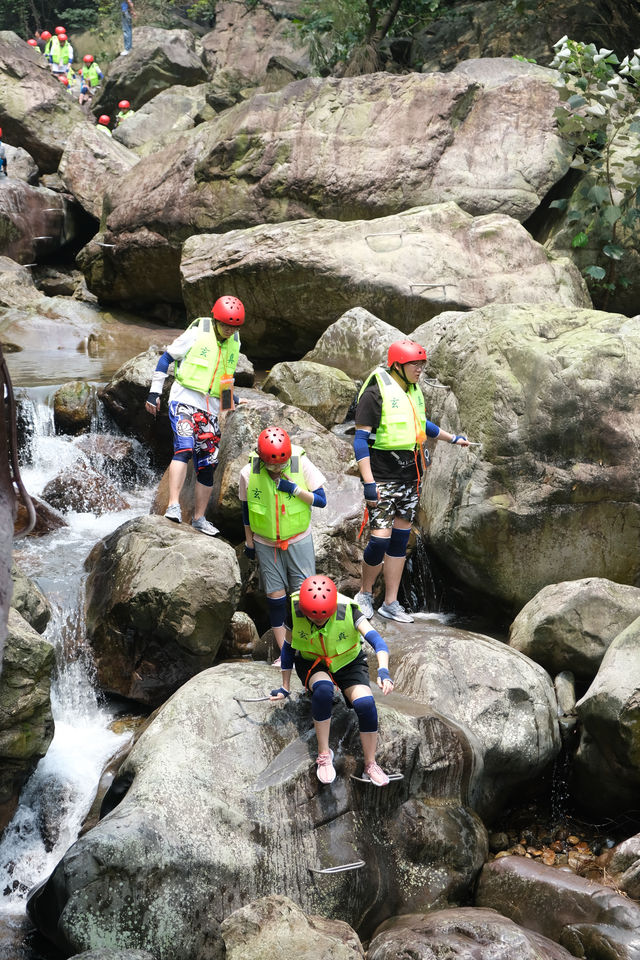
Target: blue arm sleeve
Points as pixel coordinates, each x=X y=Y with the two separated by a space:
x=319 y=498
x=360 y=445
x=163 y=363
x=286 y=656
x=245 y=513
x=376 y=641
x=432 y=429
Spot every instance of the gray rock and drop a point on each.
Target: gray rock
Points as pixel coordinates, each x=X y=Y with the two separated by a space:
x=90 y=160
x=166 y=115
x=356 y=342
x=108 y=953
x=29 y=601
x=17 y=288
x=325 y=392
x=34 y=222
x=625 y=854
x=74 y=406
x=81 y=489
x=21 y=165
x=569 y=626
x=159 y=600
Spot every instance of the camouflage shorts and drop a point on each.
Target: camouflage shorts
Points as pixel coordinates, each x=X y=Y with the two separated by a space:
x=397 y=499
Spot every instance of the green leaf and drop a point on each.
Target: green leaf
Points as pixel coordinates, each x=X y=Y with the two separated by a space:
x=611 y=214
x=573 y=215
x=597 y=273
x=576 y=101
x=558 y=204
x=580 y=240
x=613 y=251
x=598 y=194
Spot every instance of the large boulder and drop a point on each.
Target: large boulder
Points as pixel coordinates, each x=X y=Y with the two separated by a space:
x=90 y=160
x=609 y=712
x=590 y=920
x=355 y=343
x=37 y=112
x=352 y=149
x=464 y=932
x=224 y=807
x=79 y=488
x=325 y=392
x=28 y=600
x=74 y=406
x=21 y=164
x=34 y=222
x=167 y=114
x=570 y=625
x=17 y=288
x=158 y=60
x=296 y=278
x=553 y=492
x=26 y=721
x=502 y=698
x=159 y=600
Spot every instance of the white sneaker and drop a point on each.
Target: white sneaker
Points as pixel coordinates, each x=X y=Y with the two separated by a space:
x=203 y=526
x=326 y=771
x=394 y=611
x=123 y=53
x=173 y=512
x=365 y=602
x=375 y=774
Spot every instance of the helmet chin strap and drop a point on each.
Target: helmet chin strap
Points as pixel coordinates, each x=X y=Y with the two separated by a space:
x=399 y=367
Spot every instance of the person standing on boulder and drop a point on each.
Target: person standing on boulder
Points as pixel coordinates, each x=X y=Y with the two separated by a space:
x=128 y=13
x=206 y=356
x=277 y=489
x=391 y=428
x=324 y=633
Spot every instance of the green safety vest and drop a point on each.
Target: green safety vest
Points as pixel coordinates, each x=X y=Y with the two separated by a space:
x=207 y=360
x=123 y=114
x=90 y=74
x=403 y=419
x=59 y=54
x=336 y=643
x=275 y=515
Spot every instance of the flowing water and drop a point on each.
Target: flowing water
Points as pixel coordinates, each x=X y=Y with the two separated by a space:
x=58 y=796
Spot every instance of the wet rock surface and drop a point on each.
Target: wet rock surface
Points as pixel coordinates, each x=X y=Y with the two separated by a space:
x=82 y=489
x=28 y=600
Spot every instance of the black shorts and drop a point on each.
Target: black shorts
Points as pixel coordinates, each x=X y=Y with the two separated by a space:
x=348 y=676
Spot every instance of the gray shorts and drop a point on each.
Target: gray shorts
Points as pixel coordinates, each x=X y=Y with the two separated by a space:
x=397 y=499
x=285 y=569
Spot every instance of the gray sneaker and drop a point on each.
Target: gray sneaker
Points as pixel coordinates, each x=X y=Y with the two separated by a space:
x=173 y=512
x=203 y=526
x=394 y=611
x=365 y=602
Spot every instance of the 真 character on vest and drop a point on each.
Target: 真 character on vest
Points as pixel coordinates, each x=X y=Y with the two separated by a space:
x=91 y=72
x=324 y=643
x=277 y=489
x=206 y=356
x=391 y=428
x=61 y=53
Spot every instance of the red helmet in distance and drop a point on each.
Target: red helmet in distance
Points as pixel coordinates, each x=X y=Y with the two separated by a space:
x=62 y=38
x=274 y=445
x=59 y=30
x=124 y=105
x=104 y=120
x=88 y=58
x=405 y=351
x=318 y=597
x=229 y=310
x=32 y=43
x=45 y=35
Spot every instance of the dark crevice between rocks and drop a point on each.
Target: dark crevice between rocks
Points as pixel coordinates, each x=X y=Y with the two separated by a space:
x=545 y=219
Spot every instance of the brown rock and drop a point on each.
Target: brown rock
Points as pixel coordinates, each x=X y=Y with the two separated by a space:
x=81 y=489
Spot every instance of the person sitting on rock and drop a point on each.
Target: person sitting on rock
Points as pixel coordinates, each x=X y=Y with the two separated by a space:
x=391 y=427
x=124 y=111
x=91 y=72
x=277 y=489
x=325 y=629
x=206 y=356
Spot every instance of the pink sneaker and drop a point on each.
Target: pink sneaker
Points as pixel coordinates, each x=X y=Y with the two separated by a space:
x=326 y=770
x=375 y=774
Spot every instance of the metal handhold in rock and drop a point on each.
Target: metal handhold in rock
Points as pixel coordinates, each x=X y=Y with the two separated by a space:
x=342 y=868
x=393 y=777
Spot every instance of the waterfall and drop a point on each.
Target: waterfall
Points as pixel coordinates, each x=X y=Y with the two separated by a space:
x=59 y=794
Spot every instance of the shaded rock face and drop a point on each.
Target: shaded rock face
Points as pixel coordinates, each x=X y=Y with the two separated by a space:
x=89 y=161
x=159 y=601
x=167 y=114
x=590 y=920
x=82 y=489
x=501 y=698
x=356 y=342
x=37 y=113
x=569 y=626
x=609 y=751
x=325 y=392
x=553 y=492
x=245 y=39
x=29 y=601
x=274 y=926
x=295 y=278
x=158 y=60
x=26 y=721
x=34 y=221
x=467 y=932
x=74 y=405
x=251 y=165
x=205 y=839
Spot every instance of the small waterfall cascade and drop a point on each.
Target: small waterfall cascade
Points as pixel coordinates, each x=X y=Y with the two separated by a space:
x=59 y=794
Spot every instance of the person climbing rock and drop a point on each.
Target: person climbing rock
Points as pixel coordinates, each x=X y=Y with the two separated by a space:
x=324 y=633
x=91 y=72
x=103 y=124
x=61 y=54
x=206 y=356
x=277 y=489
x=391 y=428
x=124 y=111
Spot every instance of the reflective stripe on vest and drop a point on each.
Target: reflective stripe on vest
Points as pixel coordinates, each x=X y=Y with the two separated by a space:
x=207 y=360
x=336 y=643
x=275 y=515
x=59 y=54
x=402 y=419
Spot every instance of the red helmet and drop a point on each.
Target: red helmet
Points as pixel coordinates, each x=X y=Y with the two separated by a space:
x=125 y=105
x=229 y=310
x=62 y=38
x=104 y=120
x=318 y=597
x=0 y=131
x=64 y=81
x=59 y=30
x=274 y=445
x=45 y=35
x=88 y=58
x=405 y=351
x=32 y=43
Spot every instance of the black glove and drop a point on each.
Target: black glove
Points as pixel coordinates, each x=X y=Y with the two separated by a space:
x=274 y=693
x=249 y=552
x=153 y=399
x=371 y=492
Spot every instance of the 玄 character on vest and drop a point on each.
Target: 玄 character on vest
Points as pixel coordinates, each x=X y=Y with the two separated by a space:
x=391 y=428
x=206 y=356
x=324 y=634
x=277 y=489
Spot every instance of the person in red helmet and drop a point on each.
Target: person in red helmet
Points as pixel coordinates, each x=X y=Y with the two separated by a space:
x=277 y=489
x=103 y=124
x=61 y=53
x=91 y=72
x=324 y=633
x=205 y=356
x=124 y=111
x=391 y=428
x=45 y=44
x=33 y=42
